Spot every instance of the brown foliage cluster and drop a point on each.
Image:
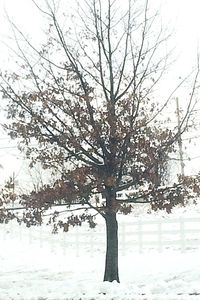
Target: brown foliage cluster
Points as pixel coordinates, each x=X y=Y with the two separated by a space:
x=166 y=199
x=186 y=191
x=85 y=111
x=6 y=216
x=72 y=220
x=48 y=195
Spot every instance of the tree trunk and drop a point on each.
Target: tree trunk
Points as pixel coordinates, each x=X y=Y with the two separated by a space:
x=111 y=266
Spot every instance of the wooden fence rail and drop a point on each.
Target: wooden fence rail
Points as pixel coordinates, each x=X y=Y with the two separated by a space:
x=142 y=235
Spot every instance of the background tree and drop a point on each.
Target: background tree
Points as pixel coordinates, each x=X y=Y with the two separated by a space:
x=86 y=99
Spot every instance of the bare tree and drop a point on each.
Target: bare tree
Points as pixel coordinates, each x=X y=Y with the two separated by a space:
x=86 y=99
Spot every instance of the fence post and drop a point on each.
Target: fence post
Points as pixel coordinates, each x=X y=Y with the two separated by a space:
x=52 y=239
x=30 y=235
x=20 y=232
x=123 y=240
x=159 y=236
x=140 y=236
x=182 y=234
x=64 y=234
x=41 y=237
x=91 y=242
x=77 y=241
x=4 y=231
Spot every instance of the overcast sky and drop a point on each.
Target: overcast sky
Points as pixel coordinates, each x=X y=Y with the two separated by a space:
x=182 y=15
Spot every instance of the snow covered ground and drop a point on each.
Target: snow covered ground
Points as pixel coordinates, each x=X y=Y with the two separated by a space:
x=31 y=270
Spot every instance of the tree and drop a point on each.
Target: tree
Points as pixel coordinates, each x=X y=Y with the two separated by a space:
x=83 y=106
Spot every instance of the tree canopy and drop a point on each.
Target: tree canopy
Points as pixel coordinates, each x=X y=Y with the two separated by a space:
x=83 y=105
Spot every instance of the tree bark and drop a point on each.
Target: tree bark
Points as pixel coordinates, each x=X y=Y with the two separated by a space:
x=111 y=265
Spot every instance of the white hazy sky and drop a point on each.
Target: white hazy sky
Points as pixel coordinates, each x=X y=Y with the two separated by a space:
x=182 y=15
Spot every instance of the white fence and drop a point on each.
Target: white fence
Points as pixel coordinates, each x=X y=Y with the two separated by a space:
x=182 y=234
x=177 y=233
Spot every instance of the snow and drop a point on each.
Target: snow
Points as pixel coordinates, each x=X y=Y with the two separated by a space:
x=33 y=267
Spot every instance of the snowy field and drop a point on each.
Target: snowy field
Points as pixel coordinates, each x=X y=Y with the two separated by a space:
x=35 y=268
